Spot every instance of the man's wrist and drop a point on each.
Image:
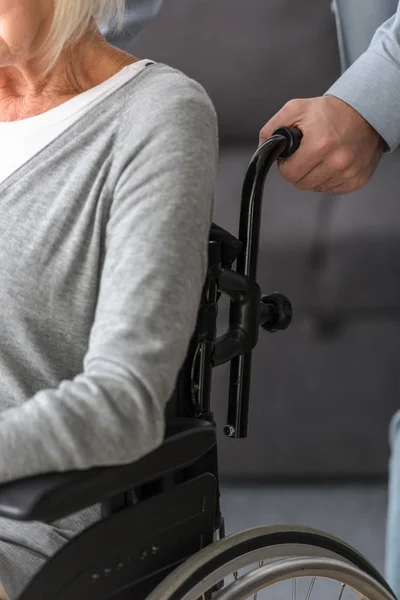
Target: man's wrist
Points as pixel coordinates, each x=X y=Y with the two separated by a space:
x=372 y=87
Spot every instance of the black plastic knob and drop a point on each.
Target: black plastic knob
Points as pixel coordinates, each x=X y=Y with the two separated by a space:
x=276 y=312
x=293 y=137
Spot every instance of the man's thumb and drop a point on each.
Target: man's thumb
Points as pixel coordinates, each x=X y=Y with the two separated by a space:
x=288 y=116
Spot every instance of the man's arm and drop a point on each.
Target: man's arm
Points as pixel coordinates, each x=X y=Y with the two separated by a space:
x=372 y=84
x=347 y=130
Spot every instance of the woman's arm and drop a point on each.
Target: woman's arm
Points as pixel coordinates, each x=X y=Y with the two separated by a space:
x=152 y=278
x=372 y=84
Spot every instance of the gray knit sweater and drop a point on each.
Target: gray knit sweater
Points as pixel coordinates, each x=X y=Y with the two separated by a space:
x=103 y=254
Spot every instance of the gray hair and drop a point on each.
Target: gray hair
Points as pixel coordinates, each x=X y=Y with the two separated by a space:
x=73 y=18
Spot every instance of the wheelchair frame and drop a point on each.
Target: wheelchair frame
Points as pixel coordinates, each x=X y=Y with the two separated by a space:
x=164 y=509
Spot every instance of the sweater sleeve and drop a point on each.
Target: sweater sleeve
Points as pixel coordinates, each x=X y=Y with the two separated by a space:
x=372 y=84
x=151 y=283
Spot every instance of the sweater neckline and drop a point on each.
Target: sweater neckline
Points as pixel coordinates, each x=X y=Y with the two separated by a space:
x=73 y=106
x=58 y=141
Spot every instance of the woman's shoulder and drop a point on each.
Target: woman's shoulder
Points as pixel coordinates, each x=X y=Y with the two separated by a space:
x=164 y=113
x=162 y=91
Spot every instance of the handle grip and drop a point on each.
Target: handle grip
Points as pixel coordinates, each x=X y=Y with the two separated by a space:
x=293 y=137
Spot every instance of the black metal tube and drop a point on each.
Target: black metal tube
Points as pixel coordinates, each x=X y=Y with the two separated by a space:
x=206 y=333
x=252 y=195
x=249 y=235
x=206 y=354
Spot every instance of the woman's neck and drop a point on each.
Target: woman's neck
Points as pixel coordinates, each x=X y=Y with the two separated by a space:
x=24 y=93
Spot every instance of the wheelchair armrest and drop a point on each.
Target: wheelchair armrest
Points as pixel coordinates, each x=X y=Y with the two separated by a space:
x=53 y=496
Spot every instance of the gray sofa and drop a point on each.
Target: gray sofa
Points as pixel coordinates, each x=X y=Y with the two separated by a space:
x=323 y=392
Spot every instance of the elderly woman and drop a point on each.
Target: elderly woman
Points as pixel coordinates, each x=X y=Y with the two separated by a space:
x=107 y=176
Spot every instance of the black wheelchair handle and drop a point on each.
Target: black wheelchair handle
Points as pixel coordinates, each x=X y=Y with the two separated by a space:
x=293 y=137
x=284 y=142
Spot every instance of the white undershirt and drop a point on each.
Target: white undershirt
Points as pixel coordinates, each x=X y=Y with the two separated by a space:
x=21 y=140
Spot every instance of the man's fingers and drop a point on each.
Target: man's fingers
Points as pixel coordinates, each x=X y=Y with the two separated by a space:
x=347 y=187
x=308 y=175
x=339 y=151
x=301 y=168
x=316 y=179
x=288 y=116
x=324 y=187
x=314 y=166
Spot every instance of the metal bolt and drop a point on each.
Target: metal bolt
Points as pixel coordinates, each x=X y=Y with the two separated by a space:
x=229 y=430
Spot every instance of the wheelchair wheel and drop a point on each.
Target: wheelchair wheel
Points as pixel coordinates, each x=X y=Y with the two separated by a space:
x=298 y=562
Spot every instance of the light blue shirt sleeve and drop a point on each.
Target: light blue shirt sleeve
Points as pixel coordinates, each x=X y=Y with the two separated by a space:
x=372 y=84
x=393 y=516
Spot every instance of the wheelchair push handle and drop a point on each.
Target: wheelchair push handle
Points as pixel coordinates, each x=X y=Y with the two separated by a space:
x=283 y=144
x=293 y=137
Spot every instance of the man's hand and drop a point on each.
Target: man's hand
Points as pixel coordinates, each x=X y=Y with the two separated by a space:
x=339 y=151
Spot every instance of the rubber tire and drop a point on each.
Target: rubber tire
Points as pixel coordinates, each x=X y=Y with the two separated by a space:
x=208 y=560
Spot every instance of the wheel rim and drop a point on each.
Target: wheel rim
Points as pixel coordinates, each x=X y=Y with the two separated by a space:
x=361 y=584
x=259 y=556
x=232 y=554
x=279 y=570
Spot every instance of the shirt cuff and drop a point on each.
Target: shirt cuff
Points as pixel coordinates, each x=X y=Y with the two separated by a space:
x=372 y=87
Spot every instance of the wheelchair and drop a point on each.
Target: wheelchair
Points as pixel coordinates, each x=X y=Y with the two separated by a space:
x=161 y=534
